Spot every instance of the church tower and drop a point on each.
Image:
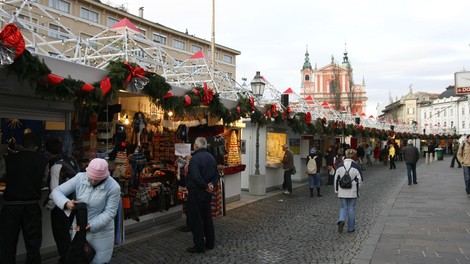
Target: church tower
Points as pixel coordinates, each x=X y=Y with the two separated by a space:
x=307 y=83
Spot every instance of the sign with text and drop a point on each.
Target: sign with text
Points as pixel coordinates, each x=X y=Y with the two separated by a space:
x=462 y=83
x=182 y=149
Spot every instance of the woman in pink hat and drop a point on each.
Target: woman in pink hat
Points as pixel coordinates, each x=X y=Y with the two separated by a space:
x=101 y=193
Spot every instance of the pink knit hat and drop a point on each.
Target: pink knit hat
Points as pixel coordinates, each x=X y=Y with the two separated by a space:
x=97 y=169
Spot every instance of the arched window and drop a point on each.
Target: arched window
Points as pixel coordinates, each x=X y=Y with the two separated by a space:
x=307 y=77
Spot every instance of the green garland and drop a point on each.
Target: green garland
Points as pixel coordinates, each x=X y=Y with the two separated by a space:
x=32 y=69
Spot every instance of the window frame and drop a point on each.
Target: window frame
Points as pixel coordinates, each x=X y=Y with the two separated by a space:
x=88 y=12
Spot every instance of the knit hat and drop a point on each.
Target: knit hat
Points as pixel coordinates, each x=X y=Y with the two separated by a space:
x=313 y=150
x=410 y=142
x=97 y=169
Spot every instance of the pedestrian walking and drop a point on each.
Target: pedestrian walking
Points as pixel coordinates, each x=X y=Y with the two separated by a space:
x=391 y=155
x=455 y=150
x=314 y=161
x=384 y=155
x=201 y=181
x=464 y=157
x=411 y=157
x=102 y=194
x=21 y=211
x=330 y=164
x=348 y=196
x=288 y=166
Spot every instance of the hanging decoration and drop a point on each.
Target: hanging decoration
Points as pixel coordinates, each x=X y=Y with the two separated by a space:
x=136 y=79
x=12 y=44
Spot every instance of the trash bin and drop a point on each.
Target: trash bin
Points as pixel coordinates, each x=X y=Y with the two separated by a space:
x=440 y=153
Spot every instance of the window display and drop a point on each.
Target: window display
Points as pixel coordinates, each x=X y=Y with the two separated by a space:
x=274 y=143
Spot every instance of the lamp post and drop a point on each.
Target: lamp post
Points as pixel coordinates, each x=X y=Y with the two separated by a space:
x=257 y=87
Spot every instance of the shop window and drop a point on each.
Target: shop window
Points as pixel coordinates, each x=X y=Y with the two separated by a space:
x=274 y=143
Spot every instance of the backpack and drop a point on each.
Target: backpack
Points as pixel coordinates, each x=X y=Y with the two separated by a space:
x=69 y=169
x=311 y=165
x=345 y=181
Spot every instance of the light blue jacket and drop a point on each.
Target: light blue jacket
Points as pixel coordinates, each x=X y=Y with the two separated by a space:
x=102 y=204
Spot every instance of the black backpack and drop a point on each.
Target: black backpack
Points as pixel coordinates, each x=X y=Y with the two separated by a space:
x=69 y=169
x=345 y=181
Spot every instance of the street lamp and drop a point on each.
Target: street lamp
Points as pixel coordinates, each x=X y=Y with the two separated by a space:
x=257 y=87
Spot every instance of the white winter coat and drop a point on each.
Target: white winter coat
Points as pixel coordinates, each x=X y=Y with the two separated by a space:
x=354 y=171
x=102 y=204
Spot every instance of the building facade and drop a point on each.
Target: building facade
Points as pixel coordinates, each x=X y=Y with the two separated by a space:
x=52 y=27
x=333 y=84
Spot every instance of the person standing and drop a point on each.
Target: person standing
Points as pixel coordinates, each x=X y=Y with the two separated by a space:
x=288 y=166
x=377 y=153
x=60 y=168
x=201 y=181
x=368 y=151
x=411 y=157
x=330 y=163
x=348 y=197
x=455 y=150
x=391 y=154
x=21 y=210
x=464 y=157
x=102 y=194
x=314 y=177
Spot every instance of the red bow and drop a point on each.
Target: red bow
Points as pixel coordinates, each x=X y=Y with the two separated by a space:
x=208 y=95
x=105 y=85
x=135 y=72
x=11 y=36
x=252 y=104
x=308 y=118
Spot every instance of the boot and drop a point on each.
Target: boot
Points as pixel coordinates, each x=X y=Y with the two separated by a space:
x=318 y=192
x=311 y=192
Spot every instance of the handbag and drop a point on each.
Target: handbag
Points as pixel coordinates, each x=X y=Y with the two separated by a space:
x=80 y=250
x=294 y=171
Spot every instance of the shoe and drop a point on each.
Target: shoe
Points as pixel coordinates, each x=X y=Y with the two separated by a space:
x=459 y=167
x=320 y=195
x=340 y=226
x=451 y=166
x=286 y=192
x=209 y=248
x=185 y=229
x=409 y=183
x=415 y=182
x=468 y=195
x=194 y=250
x=352 y=231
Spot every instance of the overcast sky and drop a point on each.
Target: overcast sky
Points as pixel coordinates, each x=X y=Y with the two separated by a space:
x=391 y=44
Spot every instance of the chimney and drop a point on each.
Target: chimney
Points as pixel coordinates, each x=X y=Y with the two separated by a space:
x=141 y=12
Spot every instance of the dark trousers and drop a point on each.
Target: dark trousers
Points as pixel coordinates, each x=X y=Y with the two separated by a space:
x=454 y=159
x=26 y=218
x=61 y=224
x=411 y=169
x=200 y=219
x=287 y=184
x=392 y=162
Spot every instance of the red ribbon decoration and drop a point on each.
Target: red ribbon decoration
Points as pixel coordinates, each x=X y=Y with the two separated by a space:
x=187 y=100
x=105 y=85
x=252 y=104
x=11 y=36
x=53 y=79
x=208 y=95
x=239 y=109
x=308 y=118
x=168 y=95
x=87 y=88
x=135 y=72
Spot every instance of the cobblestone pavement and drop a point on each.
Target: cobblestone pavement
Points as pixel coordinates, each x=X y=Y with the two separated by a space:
x=280 y=229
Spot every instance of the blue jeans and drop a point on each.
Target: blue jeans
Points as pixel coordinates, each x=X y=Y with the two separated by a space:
x=287 y=184
x=466 y=177
x=348 y=207
x=411 y=168
x=314 y=180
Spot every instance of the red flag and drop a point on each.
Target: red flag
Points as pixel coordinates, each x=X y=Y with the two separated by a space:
x=198 y=55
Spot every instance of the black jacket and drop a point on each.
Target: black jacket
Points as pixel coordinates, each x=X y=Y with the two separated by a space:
x=202 y=170
x=24 y=176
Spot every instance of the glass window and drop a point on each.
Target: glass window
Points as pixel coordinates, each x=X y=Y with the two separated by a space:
x=274 y=143
x=55 y=32
x=178 y=44
x=60 y=5
x=159 y=38
x=424 y=114
x=111 y=21
x=88 y=14
x=463 y=124
x=307 y=77
x=228 y=59
x=195 y=48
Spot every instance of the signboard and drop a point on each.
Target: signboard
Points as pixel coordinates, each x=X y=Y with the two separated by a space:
x=182 y=149
x=462 y=83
